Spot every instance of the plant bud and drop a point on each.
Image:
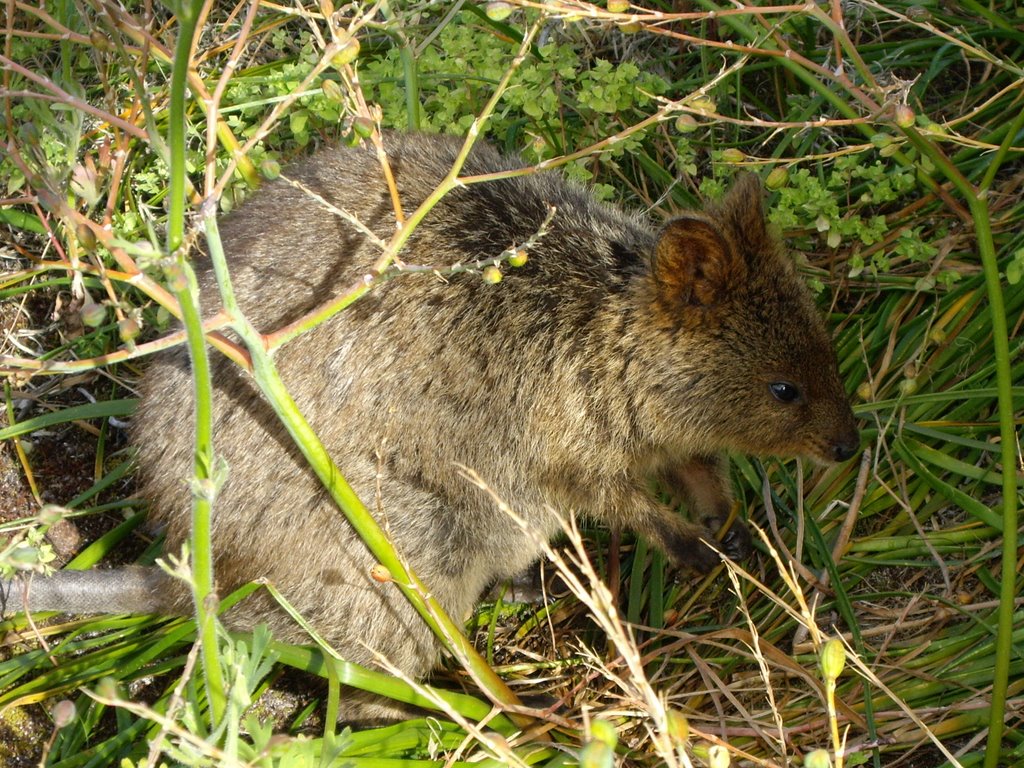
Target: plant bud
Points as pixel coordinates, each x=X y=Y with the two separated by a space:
x=52 y=513
x=107 y=688
x=86 y=237
x=381 y=574
x=518 y=258
x=270 y=169
x=63 y=713
x=686 y=124
x=128 y=329
x=678 y=726
x=93 y=315
x=345 y=51
x=718 y=757
x=777 y=178
x=99 y=41
x=499 y=11
x=363 y=126
x=492 y=275
x=176 y=278
x=817 y=759
x=331 y=89
x=904 y=116
x=597 y=754
x=908 y=386
x=833 y=658
x=704 y=104
x=602 y=730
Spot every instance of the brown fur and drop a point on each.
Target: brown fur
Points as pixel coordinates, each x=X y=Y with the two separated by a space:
x=611 y=358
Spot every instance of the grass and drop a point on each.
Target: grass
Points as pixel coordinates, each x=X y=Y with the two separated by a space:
x=892 y=138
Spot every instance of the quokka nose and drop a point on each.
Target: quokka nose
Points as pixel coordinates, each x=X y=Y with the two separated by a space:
x=846 y=448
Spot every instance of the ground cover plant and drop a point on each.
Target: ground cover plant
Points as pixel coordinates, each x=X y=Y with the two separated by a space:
x=880 y=621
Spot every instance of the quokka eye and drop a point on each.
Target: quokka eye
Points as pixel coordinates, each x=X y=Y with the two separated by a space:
x=785 y=392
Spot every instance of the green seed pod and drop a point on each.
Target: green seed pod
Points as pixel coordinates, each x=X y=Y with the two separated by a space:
x=678 y=726
x=346 y=50
x=518 y=258
x=52 y=513
x=176 y=278
x=631 y=28
x=499 y=11
x=107 y=688
x=618 y=6
x=63 y=713
x=908 y=386
x=833 y=659
x=703 y=104
x=128 y=329
x=904 y=116
x=603 y=731
x=270 y=169
x=777 y=178
x=93 y=315
x=331 y=89
x=817 y=759
x=718 y=757
x=492 y=274
x=686 y=124
x=99 y=41
x=865 y=391
x=86 y=237
x=363 y=126
x=733 y=155
x=597 y=754
x=881 y=140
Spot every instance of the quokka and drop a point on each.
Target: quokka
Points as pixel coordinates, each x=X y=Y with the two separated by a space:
x=622 y=357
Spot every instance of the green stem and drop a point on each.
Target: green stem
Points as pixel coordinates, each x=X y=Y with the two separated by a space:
x=376 y=540
x=977 y=203
x=306 y=439
x=187 y=292
x=1007 y=432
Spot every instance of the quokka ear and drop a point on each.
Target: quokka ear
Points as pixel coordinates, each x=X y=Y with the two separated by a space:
x=742 y=214
x=694 y=265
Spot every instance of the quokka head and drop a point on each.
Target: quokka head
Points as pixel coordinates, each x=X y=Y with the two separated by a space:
x=739 y=326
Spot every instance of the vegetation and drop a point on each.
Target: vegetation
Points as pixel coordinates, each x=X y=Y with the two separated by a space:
x=891 y=139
